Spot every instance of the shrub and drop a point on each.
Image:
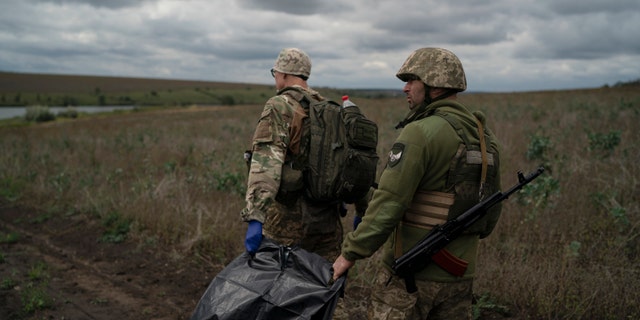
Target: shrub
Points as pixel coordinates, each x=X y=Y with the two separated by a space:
x=39 y=114
x=604 y=143
x=69 y=112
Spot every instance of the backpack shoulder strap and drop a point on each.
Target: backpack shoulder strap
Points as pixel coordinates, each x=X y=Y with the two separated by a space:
x=483 y=145
x=455 y=123
x=297 y=94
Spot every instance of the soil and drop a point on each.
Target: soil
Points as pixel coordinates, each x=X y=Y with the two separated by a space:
x=57 y=269
x=83 y=278
x=61 y=267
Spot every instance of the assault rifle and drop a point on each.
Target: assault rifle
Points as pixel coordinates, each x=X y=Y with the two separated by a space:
x=441 y=235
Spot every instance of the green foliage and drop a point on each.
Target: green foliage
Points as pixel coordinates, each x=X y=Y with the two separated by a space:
x=99 y=301
x=116 y=228
x=539 y=193
x=10 y=188
x=8 y=283
x=41 y=218
x=233 y=182
x=35 y=297
x=34 y=294
x=573 y=249
x=39 y=271
x=539 y=148
x=607 y=201
x=604 y=143
x=60 y=182
x=39 y=114
x=227 y=100
x=9 y=238
x=69 y=112
x=486 y=304
x=33 y=290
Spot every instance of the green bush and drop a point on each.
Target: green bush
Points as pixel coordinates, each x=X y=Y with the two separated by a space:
x=538 y=148
x=39 y=114
x=117 y=228
x=69 y=112
x=604 y=143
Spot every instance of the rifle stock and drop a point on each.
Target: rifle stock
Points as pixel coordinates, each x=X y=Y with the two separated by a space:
x=440 y=236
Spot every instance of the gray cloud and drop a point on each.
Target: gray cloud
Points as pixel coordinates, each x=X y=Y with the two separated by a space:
x=570 y=7
x=587 y=36
x=295 y=7
x=111 y=4
x=505 y=45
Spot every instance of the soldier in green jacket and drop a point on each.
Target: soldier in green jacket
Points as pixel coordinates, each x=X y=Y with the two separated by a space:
x=443 y=162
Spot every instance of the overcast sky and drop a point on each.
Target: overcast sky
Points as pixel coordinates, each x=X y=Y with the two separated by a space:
x=504 y=45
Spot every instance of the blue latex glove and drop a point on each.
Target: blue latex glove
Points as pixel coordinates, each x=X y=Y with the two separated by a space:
x=356 y=221
x=254 y=236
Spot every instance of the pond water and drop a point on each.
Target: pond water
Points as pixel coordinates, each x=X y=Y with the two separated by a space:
x=10 y=112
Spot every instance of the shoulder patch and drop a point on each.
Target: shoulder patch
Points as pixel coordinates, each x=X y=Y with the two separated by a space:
x=395 y=155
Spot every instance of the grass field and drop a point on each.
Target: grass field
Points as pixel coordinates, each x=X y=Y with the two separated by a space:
x=566 y=247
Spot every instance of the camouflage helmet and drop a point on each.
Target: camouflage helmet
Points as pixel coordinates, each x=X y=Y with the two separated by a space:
x=437 y=68
x=293 y=61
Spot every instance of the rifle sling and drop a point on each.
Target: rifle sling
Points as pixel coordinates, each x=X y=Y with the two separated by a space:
x=483 y=150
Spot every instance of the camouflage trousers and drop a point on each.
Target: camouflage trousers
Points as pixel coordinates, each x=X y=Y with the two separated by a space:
x=315 y=229
x=433 y=300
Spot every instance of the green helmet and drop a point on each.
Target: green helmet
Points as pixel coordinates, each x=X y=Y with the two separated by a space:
x=293 y=61
x=437 y=68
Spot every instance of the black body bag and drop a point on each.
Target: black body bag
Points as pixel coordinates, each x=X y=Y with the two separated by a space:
x=277 y=283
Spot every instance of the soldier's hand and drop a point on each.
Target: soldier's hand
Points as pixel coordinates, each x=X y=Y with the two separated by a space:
x=254 y=236
x=340 y=266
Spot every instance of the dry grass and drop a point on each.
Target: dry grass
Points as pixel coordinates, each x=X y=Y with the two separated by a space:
x=566 y=249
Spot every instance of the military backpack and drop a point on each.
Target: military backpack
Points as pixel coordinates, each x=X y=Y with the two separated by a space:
x=339 y=148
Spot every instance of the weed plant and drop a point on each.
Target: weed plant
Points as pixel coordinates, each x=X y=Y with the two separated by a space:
x=566 y=247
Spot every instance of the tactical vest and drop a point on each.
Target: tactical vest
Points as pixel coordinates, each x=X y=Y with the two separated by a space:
x=471 y=176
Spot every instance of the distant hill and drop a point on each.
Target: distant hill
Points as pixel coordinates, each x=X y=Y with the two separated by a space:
x=633 y=83
x=23 y=89
x=17 y=89
x=11 y=82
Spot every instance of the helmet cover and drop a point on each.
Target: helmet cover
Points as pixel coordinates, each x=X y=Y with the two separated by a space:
x=436 y=67
x=293 y=61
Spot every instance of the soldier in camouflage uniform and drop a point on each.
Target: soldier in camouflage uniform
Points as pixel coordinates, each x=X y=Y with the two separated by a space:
x=276 y=207
x=443 y=162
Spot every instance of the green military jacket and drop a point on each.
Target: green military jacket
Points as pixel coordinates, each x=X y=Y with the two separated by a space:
x=420 y=159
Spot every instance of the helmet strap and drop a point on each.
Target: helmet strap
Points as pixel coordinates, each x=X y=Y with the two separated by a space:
x=419 y=112
x=428 y=100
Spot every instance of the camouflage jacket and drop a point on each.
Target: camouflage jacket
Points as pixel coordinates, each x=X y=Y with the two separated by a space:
x=276 y=139
x=420 y=159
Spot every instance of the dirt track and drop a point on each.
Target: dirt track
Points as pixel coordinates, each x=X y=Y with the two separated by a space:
x=88 y=279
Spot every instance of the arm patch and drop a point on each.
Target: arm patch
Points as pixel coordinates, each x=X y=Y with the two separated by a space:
x=395 y=155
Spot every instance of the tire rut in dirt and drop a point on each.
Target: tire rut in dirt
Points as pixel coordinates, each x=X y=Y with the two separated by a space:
x=81 y=286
